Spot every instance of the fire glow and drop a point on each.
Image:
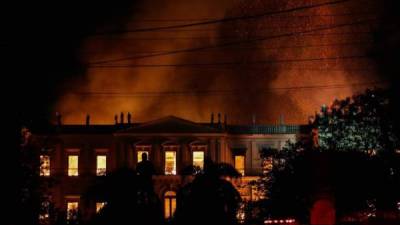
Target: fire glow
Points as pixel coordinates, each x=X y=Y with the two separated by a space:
x=201 y=88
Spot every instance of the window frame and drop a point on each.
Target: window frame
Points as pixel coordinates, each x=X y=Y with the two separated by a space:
x=170 y=198
x=101 y=171
x=71 y=200
x=242 y=171
x=43 y=171
x=70 y=170
x=175 y=149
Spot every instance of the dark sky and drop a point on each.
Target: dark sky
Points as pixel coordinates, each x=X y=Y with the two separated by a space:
x=48 y=46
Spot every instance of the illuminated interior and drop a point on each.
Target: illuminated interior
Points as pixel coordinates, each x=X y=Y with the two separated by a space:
x=73 y=165
x=198 y=159
x=44 y=213
x=99 y=206
x=139 y=155
x=44 y=165
x=72 y=210
x=170 y=163
x=239 y=163
x=169 y=204
x=101 y=165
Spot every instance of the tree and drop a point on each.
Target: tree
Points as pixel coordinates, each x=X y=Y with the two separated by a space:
x=209 y=198
x=33 y=200
x=129 y=199
x=353 y=155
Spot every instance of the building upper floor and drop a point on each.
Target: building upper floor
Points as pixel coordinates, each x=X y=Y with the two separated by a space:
x=171 y=144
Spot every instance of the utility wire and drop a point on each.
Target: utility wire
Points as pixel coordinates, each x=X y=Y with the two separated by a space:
x=234 y=63
x=178 y=51
x=223 y=20
x=355 y=43
x=179 y=20
x=222 y=92
x=217 y=37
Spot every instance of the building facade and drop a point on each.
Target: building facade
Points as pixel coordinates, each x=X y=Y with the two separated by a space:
x=75 y=155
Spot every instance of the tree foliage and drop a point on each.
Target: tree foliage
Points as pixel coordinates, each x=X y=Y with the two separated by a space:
x=352 y=153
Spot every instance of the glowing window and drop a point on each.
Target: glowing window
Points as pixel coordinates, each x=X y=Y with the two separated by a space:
x=99 y=206
x=73 y=165
x=169 y=204
x=44 y=165
x=140 y=153
x=44 y=212
x=198 y=159
x=170 y=162
x=239 y=163
x=101 y=165
x=72 y=210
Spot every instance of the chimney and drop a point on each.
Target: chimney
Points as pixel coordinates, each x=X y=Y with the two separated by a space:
x=122 y=118
x=212 y=119
x=129 y=118
x=58 y=117
x=87 y=119
x=219 y=119
x=116 y=119
x=225 y=120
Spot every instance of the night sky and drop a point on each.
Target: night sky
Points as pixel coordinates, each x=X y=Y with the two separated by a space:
x=92 y=57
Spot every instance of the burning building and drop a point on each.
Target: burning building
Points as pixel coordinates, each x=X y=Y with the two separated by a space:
x=76 y=155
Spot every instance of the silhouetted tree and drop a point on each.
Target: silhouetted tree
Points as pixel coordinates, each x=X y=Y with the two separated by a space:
x=354 y=159
x=32 y=198
x=128 y=200
x=210 y=198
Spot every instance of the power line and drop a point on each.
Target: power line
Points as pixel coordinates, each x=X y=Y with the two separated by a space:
x=223 y=20
x=173 y=52
x=222 y=92
x=219 y=37
x=279 y=16
x=234 y=63
x=361 y=43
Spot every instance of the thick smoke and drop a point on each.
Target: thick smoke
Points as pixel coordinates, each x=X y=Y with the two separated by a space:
x=257 y=85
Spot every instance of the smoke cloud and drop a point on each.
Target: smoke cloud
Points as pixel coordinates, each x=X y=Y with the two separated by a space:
x=242 y=90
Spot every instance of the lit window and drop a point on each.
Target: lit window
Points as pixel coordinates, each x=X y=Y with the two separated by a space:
x=169 y=204
x=73 y=165
x=72 y=210
x=44 y=165
x=44 y=212
x=198 y=159
x=170 y=162
x=101 y=165
x=139 y=155
x=99 y=206
x=239 y=164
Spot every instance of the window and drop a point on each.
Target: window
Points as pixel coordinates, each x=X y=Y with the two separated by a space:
x=169 y=204
x=73 y=165
x=198 y=159
x=45 y=165
x=239 y=163
x=99 y=206
x=139 y=155
x=72 y=210
x=101 y=165
x=170 y=163
x=44 y=213
x=142 y=148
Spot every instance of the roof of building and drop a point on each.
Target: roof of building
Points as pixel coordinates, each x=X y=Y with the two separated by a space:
x=172 y=124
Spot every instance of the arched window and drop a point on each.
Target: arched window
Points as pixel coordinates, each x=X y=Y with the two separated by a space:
x=169 y=204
